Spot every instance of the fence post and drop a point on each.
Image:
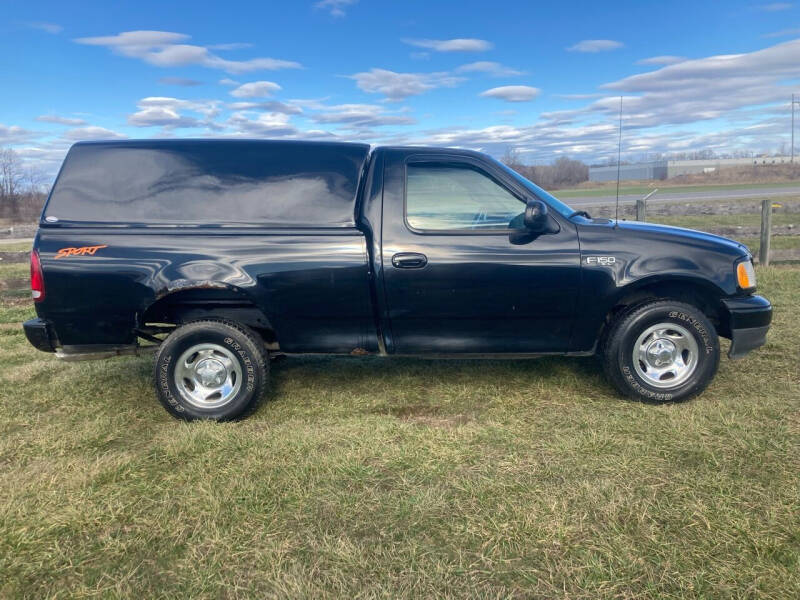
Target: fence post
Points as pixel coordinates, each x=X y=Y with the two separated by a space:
x=641 y=210
x=766 y=228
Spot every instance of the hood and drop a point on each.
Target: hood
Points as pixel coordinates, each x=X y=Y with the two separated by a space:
x=668 y=233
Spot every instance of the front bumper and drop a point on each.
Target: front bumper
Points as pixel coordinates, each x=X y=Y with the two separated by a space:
x=746 y=320
x=40 y=334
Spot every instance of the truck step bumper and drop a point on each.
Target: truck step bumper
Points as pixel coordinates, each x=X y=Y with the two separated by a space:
x=748 y=321
x=40 y=334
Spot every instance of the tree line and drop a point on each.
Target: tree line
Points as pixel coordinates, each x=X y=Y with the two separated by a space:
x=21 y=193
x=563 y=172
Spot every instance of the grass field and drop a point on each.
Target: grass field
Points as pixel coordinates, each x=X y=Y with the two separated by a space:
x=15 y=247
x=368 y=477
x=703 y=222
x=646 y=188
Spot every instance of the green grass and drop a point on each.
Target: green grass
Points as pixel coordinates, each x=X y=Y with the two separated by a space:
x=710 y=222
x=15 y=270
x=16 y=247
x=788 y=242
x=647 y=188
x=744 y=220
x=369 y=477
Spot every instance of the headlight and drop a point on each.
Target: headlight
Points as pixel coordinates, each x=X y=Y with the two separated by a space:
x=746 y=275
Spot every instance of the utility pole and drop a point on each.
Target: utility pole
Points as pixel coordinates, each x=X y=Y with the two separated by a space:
x=794 y=101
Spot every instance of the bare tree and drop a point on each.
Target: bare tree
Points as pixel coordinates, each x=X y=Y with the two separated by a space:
x=563 y=172
x=33 y=180
x=21 y=188
x=569 y=172
x=511 y=158
x=11 y=173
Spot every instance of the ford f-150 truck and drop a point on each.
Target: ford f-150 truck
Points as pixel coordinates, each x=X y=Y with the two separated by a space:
x=221 y=253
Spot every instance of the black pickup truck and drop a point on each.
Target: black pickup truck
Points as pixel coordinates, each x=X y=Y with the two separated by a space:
x=223 y=253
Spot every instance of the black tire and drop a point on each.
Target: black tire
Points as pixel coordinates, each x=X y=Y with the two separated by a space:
x=632 y=380
x=235 y=342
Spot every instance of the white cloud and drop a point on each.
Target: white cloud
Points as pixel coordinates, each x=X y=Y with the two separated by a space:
x=207 y=108
x=92 y=132
x=228 y=81
x=336 y=8
x=168 y=113
x=46 y=27
x=661 y=60
x=271 y=106
x=13 y=134
x=775 y=6
x=494 y=69
x=163 y=49
x=745 y=95
x=595 y=46
x=133 y=43
x=707 y=88
x=45 y=157
x=360 y=116
x=396 y=86
x=580 y=96
x=159 y=116
x=264 y=125
x=255 y=89
x=60 y=120
x=454 y=45
x=180 y=81
x=782 y=33
x=513 y=93
x=232 y=46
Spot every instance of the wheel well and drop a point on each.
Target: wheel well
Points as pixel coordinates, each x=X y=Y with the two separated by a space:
x=696 y=294
x=183 y=306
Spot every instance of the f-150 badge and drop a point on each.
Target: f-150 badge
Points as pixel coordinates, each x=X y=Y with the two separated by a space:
x=603 y=261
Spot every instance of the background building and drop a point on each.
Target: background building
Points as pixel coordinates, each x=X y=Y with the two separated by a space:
x=666 y=169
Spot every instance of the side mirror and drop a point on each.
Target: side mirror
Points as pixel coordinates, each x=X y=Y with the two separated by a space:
x=536 y=216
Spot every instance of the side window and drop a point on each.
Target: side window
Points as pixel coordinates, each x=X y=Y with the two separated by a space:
x=445 y=197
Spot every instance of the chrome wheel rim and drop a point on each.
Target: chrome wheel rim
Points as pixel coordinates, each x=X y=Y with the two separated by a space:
x=208 y=375
x=665 y=355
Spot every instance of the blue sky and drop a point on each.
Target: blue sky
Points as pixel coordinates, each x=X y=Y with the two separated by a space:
x=541 y=78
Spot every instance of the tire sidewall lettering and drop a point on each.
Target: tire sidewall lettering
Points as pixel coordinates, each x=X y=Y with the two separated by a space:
x=165 y=368
x=698 y=327
x=164 y=373
x=247 y=362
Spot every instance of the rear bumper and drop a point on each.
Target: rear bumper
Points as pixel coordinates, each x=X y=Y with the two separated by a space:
x=747 y=322
x=40 y=334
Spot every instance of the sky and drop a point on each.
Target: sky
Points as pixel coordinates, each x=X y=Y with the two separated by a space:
x=542 y=79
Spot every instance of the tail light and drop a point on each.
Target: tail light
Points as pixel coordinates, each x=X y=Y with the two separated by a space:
x=37 y=277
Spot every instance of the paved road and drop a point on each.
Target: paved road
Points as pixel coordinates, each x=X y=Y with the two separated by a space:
x=665 y=195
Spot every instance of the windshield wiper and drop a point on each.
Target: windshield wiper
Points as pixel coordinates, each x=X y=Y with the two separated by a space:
x=580 y=213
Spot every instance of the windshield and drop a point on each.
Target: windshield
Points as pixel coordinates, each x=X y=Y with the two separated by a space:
x=548 y=198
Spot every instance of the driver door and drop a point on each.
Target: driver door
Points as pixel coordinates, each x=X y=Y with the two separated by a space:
x=461 y=273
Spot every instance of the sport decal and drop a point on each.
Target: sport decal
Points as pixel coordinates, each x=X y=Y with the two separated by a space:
x=82 y=251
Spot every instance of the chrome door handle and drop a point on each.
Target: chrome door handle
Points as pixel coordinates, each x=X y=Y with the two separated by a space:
x=409 y=260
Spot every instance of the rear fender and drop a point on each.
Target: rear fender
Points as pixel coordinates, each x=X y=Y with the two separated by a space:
x=183 y=300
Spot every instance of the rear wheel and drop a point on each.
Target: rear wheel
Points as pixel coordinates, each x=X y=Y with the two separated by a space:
x=211 y=369
x=662 y=351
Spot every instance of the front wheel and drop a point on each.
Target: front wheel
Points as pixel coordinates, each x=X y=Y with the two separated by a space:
x=663 y=351
x=211 y=369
